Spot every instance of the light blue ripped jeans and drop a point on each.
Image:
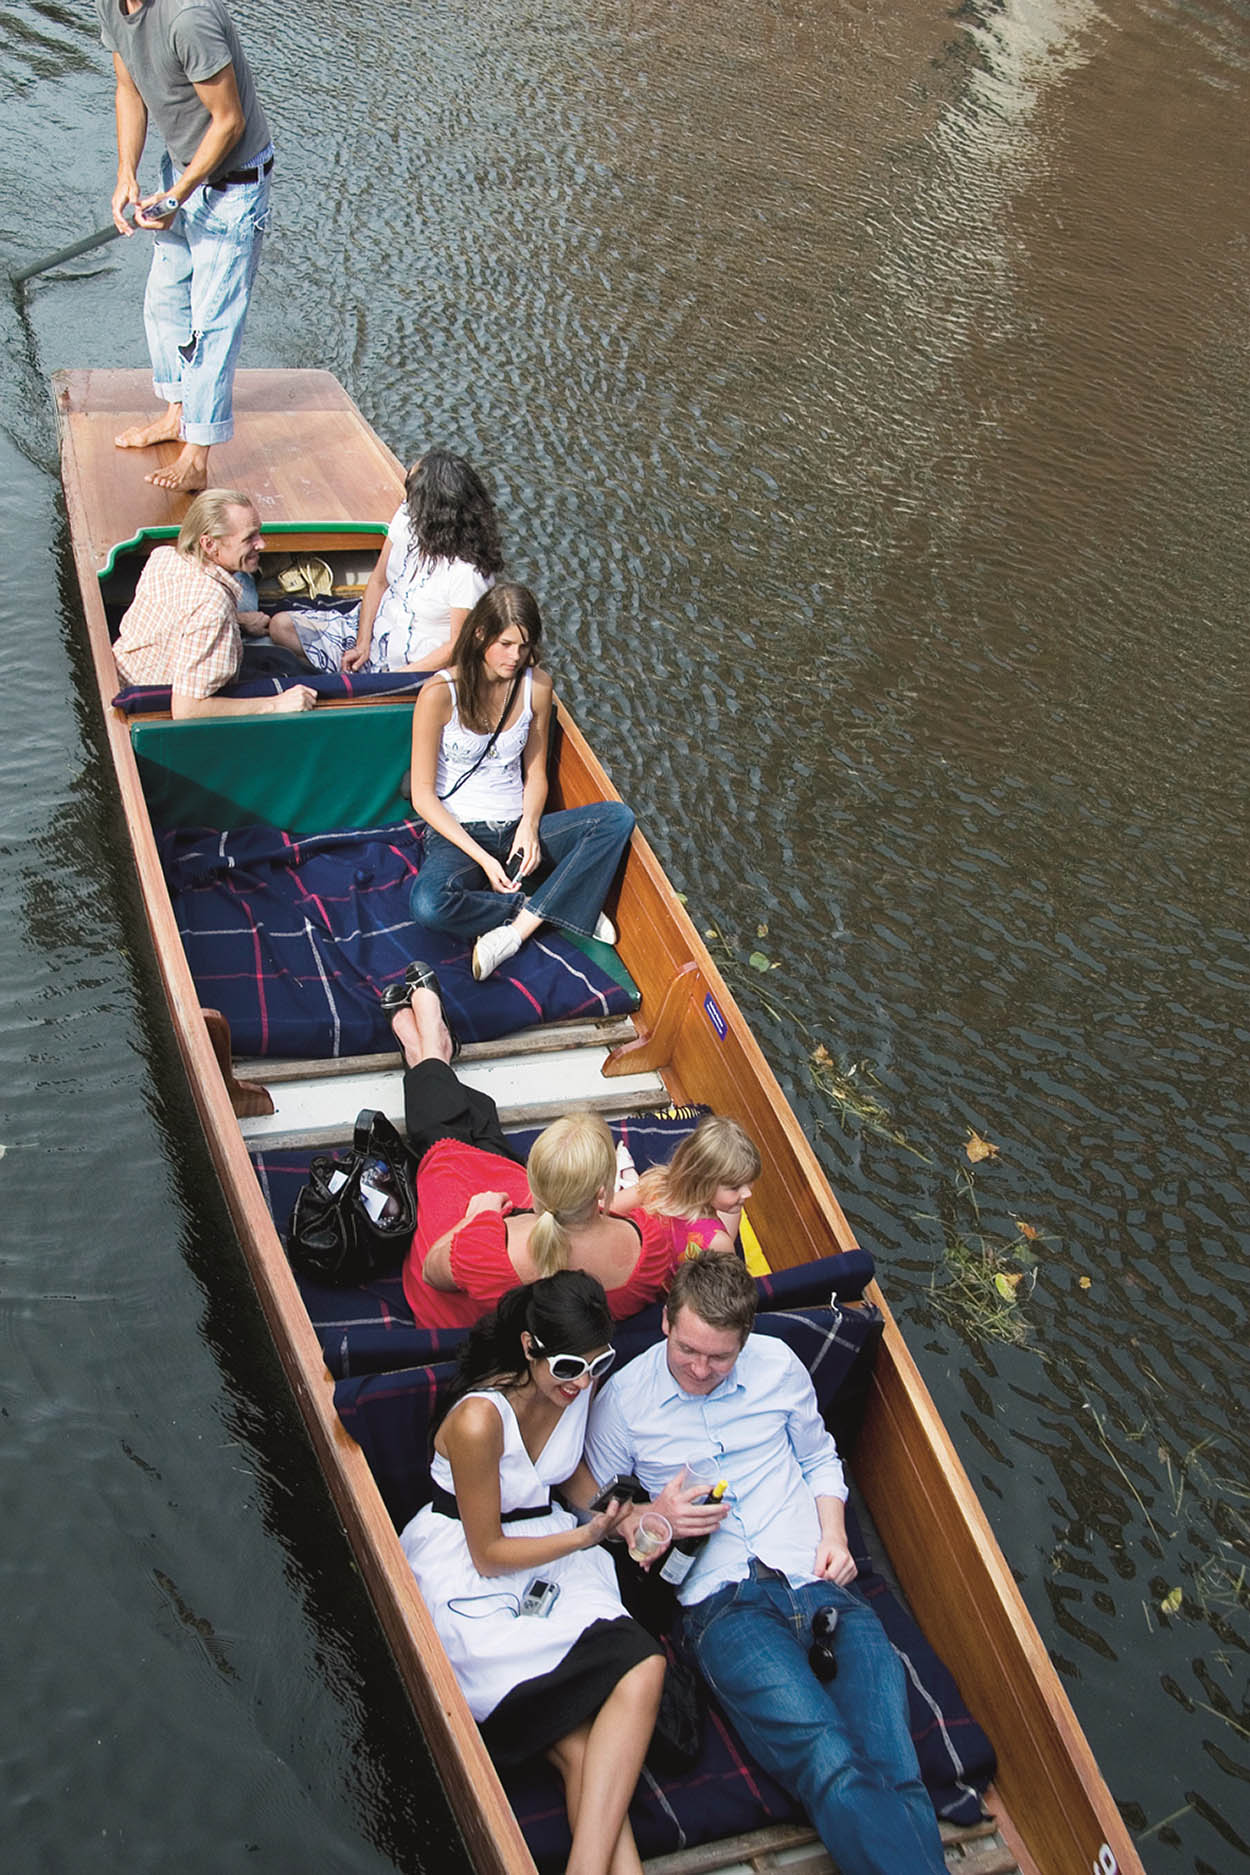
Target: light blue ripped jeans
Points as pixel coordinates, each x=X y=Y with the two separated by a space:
x=195 y=307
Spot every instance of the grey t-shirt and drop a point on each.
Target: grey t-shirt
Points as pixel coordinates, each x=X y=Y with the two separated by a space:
x=170 y=46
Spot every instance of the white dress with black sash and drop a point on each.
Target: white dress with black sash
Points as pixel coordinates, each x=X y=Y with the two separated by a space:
x=497 y=1655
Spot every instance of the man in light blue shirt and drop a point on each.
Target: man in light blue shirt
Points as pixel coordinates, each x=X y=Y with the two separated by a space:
x=826 y=1715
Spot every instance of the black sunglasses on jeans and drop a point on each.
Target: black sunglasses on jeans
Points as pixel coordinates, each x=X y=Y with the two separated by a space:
x=821 y=1658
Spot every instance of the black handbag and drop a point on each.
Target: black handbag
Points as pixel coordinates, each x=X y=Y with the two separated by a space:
x=335 y=1236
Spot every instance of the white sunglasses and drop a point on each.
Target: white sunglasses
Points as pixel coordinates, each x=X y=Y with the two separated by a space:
x=573 y=1366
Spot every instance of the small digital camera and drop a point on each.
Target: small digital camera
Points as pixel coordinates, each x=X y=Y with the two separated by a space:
x=540 y=1597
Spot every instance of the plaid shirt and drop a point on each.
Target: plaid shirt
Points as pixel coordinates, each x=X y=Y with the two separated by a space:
x=183 y=626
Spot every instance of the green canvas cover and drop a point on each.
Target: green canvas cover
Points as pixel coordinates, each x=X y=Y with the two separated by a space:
x=320 y=772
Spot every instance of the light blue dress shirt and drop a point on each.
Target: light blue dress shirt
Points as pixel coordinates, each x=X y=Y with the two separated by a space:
x=760 y=1428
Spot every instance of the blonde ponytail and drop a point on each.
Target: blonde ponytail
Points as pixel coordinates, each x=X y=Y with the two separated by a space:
x=549 y=1245
x=571 y=1164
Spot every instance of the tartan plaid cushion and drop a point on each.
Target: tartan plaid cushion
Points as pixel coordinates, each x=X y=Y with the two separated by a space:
x=293 y=940
x=153 y=699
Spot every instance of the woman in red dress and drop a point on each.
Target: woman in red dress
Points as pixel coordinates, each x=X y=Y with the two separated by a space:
x=485 y=1222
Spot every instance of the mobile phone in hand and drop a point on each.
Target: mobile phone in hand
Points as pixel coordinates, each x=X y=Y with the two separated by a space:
x=515 y=862
x=625 y=1488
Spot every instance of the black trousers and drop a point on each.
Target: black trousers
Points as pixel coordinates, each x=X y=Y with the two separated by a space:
x=437 y=1105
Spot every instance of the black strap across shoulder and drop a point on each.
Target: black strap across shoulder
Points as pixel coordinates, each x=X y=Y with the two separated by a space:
x=494 y=737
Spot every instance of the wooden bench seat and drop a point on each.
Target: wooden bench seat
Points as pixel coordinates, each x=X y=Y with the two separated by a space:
x=315 y=1103
x=549 y=1039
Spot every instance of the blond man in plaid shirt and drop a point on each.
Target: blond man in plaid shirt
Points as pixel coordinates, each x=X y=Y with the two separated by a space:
x=182 y=628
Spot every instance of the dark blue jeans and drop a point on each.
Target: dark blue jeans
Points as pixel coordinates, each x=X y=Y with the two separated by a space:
x=582 y=848
x=841 y=1747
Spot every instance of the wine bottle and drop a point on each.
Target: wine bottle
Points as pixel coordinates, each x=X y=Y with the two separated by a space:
x=680 y=1559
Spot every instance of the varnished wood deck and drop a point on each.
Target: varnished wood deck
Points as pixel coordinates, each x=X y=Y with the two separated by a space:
x=301 y=450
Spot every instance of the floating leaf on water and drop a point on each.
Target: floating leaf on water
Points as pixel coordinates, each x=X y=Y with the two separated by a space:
x=820 y=1057
x=682 y=899
x=1007 y=1282
x=1084 y=1282
x=1029 y=1232
x=1171 y=1602
x=758 y=961
x=978 y=1148
x=761 y=930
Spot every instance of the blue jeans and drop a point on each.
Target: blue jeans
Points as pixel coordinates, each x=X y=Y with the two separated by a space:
x=195 y=307
x=841 y=1747
x=582 y=849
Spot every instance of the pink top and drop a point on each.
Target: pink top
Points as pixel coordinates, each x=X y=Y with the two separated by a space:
x=451 y=1172
x=690 y=1237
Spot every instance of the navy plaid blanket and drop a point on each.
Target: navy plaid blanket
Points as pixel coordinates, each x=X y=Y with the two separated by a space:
x=294 y=939
x=153 y=699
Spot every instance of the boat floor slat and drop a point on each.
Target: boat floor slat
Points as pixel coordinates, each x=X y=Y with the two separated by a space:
x=794 y=1849
x=528 y=1090
x=549 y=1039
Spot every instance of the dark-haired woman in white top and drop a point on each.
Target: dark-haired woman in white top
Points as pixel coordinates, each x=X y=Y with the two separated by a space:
x=496 y=867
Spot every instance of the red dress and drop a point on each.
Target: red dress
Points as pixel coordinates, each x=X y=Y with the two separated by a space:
x=451 y=1172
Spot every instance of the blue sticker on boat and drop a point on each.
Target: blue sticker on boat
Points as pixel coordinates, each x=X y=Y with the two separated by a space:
x=715 y=1017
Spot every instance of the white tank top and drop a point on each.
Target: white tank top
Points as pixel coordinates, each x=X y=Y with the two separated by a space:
x=494 y=791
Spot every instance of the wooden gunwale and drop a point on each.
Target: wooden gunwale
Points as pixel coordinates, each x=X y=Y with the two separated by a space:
x=1053 y=1805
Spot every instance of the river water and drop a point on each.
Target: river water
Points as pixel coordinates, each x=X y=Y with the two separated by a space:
x=865 y=388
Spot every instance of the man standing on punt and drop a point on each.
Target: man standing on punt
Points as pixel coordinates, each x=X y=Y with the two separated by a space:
x=180 y=62
x=769 y=1609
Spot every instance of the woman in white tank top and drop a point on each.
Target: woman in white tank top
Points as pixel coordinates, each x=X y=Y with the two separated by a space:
x=496 y=867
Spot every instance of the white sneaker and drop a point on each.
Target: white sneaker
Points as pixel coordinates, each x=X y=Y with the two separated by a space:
x=605 y=930
x=494 y=948
x=626 y=1170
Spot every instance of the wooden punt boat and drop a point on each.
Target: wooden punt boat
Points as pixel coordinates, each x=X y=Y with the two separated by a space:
x=316 y=469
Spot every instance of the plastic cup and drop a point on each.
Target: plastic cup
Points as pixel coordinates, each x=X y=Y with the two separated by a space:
x=700 y=1472
x=652 y=1533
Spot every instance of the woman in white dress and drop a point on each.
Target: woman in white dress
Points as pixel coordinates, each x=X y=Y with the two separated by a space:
x=442 y=553
x=581 y=1681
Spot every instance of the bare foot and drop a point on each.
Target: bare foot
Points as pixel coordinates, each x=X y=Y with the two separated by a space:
x=432 y=1030
x=407 y=1034
x=166 y=428
x=188 y=475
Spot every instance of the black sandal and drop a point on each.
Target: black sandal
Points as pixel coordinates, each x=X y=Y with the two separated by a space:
x=397 y=996
x=394 y=997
